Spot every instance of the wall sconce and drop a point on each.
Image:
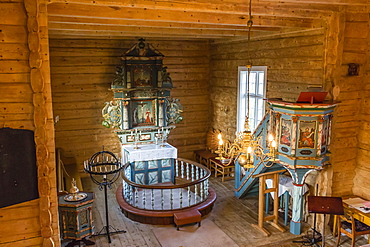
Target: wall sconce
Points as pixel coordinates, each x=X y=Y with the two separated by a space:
x=224 y=109
x=353 y=69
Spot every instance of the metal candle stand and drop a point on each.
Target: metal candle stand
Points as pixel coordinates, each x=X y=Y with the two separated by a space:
x=109 y=168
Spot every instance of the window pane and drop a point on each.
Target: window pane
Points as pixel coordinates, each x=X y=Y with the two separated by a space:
x=243 y=82
x=261 y=83
x=252 y=82
x=260 y=112
x=252 y=106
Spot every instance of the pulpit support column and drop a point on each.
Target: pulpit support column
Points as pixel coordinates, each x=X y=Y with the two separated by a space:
x=297 y=209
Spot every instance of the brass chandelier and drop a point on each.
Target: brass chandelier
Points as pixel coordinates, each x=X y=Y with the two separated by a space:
x=245 y=146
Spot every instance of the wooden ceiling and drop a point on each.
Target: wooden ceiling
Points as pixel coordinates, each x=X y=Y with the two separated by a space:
x=188 y=19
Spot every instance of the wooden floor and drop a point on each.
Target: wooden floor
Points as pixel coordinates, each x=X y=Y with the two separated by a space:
x=234 y=216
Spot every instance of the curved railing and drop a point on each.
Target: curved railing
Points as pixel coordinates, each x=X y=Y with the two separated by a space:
x=190 y=188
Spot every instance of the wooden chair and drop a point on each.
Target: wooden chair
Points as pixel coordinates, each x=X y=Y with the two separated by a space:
x=350 y=226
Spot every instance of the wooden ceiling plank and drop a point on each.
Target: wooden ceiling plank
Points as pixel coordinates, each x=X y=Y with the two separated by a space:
x=135 y=35
x=57 y=36
x=59 y=21
x=78 y=10
x=280 y=9
x=138 y=23
x=324 y=2
x=112 y=30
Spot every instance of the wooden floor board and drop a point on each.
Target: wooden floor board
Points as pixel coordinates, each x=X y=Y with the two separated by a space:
x=232 y=215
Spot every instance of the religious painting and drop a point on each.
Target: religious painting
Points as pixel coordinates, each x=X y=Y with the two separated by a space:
x=143 y=112
x=307 y=131
x=285 y=132
x=142 y=76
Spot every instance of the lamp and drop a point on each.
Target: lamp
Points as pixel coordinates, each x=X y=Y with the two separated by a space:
x=245 y=146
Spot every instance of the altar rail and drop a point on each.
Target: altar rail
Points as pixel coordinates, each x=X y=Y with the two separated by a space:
x=191 y=188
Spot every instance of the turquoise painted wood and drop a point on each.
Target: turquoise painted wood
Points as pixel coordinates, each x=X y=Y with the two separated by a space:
x=302 y=131
x=153 y=171
x=76 y=217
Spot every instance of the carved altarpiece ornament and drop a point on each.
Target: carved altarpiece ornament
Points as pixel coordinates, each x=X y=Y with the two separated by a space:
x=142 y=107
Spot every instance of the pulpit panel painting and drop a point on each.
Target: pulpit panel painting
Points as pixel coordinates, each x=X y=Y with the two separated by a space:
x=143 y=112
x=285 y=133
x=307 y=131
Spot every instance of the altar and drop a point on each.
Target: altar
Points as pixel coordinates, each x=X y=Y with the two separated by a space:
x=150 y=163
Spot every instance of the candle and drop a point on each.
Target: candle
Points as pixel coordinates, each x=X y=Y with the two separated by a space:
x=220 y=142
x=162 y=129
x=249 y=151
x=271 y=138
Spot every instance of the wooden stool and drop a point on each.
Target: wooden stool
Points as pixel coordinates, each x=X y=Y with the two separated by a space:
x=187 y=217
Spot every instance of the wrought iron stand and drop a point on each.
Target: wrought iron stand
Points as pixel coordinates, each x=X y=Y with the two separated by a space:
x=104 y=169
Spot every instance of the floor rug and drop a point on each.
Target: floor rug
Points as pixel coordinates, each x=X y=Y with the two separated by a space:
x=208 y=235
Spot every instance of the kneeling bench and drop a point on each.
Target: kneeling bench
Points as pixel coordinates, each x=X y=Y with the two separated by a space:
x=187 y=217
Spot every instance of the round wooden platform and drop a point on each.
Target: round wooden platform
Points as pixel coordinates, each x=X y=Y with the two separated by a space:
x=156 y=217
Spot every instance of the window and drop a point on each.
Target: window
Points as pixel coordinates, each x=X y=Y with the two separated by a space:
x=257 y=92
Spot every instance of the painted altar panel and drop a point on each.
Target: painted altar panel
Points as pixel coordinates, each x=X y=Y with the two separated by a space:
x=152 y=171
x=144 y=112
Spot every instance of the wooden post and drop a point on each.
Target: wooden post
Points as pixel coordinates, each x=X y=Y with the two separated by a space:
x=262 y=191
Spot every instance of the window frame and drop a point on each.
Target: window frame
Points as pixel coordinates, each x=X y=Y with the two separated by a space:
x=241 y=100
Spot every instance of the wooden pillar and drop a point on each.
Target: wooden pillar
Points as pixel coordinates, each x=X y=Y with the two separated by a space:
x=43 y=120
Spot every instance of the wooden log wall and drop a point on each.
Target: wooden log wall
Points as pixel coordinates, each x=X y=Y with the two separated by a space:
x=293 y=63
x=26 y=104
x=347 y=90
x=318 y=57
x=82 y=71
x=356 y=50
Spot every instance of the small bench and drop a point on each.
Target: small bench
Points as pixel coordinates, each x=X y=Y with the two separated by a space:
x=187 y=217
x=203 y=156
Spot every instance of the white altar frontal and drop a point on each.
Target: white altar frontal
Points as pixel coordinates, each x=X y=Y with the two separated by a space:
x=150 y=163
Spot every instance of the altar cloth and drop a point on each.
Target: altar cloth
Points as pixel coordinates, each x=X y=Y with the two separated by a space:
x=148 y=152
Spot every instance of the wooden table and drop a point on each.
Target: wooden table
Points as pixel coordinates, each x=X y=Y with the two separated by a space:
x=354 y=202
